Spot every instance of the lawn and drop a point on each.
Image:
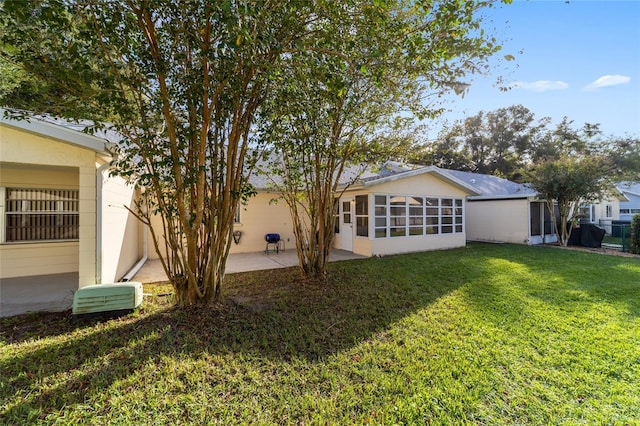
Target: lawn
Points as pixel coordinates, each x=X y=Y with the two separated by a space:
x=489 y=334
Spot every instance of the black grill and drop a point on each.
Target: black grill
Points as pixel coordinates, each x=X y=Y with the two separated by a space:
x=272 y=238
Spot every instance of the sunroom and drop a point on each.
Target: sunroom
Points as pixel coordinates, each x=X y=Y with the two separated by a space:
x=411 y=211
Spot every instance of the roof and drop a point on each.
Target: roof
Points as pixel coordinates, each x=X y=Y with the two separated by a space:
x=482 y=187
x=632 y=188
x=393 y=171
x=263 y=179
x=493 y=187
x=60 y=130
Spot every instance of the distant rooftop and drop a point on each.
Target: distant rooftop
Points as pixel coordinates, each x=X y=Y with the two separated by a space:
x=493 y=186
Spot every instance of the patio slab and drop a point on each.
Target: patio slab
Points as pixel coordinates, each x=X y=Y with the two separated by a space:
x=242 y=262
x=55 y=292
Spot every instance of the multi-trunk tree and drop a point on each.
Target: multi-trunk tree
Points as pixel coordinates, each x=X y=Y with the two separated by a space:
x=567 y=182
x=336 y=112
x=183 y=82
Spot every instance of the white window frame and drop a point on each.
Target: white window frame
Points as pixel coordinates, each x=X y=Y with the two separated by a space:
x=360 y=215
x=383 y=220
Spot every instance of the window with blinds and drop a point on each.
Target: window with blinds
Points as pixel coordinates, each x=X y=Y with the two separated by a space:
x=41 y=214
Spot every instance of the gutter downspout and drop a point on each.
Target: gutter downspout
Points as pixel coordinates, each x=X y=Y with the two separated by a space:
x=145 y=255
x=99 y=171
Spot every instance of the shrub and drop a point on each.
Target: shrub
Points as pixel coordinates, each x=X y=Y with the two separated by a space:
x=634 y=238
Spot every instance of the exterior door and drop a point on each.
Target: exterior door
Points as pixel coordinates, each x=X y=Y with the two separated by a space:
x=347 y=217
x=541 y=228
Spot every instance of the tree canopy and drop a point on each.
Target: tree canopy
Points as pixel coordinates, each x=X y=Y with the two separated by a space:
x=184 y=82
x=507 y=141
x=330 y=112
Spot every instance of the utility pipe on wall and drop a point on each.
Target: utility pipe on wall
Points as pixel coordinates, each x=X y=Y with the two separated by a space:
x=99 y=176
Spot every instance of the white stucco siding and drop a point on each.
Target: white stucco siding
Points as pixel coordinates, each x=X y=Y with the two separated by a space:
x=498 y=220
x=22 y=147
x=607 y=210
x=121 y=230
x=33 y=161
x=387 y=246
x=262 y=216
x=31 y=259
x=423 y=184
x=258 y=217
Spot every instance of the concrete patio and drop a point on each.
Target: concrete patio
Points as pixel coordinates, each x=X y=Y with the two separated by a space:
x=243 y=262
x=55 y=293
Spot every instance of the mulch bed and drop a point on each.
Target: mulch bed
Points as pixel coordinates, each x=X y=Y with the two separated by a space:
x=601 y=250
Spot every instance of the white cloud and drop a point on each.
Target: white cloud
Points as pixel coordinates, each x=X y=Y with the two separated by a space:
x=607 y=81
x=540 y=85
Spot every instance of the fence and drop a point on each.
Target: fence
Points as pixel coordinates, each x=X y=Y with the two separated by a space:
x=618 y=233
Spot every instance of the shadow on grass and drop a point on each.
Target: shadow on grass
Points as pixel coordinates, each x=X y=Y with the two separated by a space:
x=266 y=314
x=273 y=315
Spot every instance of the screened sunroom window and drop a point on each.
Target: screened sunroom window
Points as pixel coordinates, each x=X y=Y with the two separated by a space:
x=41 y=214
x=406 y=215
x=362 y=215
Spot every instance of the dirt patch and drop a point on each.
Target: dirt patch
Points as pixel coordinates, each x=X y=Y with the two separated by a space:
x=601 y=250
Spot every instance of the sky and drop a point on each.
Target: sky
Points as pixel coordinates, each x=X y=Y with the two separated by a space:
x=577 y=58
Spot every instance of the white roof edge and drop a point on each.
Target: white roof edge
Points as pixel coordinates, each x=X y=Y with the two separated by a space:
x=502 y=197
x=60 y=133
x=624 y=191
x=430 y=169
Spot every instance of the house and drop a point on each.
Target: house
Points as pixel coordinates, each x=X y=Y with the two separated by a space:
x=390 y=211
x=631 y=206
x=400 y=211
x=604 y=213
x=63 y=224
x=505 y=211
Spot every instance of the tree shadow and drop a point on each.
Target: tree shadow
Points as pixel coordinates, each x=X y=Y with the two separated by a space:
x=276 y=317
x=268 y=314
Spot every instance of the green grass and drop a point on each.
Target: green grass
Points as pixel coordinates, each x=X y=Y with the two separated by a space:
x=608 y=239
x=490 y=334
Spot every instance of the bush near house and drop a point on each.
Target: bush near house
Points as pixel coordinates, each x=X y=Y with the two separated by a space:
x=634 y=238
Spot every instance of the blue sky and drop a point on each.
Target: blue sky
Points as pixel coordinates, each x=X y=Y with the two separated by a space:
x=579 y=59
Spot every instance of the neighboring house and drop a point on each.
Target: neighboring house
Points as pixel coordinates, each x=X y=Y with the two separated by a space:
x=631 y=206
x=63 y=224
x=505 y=211
x=605 y=213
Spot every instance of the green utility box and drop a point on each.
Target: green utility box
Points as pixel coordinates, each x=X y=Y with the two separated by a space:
x=107 y=299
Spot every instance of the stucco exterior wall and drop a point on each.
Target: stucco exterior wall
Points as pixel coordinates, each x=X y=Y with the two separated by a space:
x=601 y=210
x=21 y=150
x=121 y=237
x=425 y=185
x=258 y=217
x=498 y=220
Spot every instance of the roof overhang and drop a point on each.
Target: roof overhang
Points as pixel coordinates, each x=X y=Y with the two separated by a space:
x=620 y=194
x=433 y=170
x=525 y=196
x=57 y=132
